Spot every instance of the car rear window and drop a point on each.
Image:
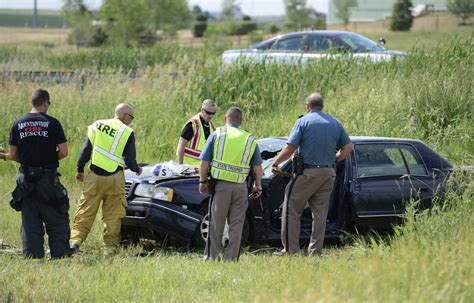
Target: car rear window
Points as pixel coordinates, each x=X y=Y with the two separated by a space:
x=388 y=159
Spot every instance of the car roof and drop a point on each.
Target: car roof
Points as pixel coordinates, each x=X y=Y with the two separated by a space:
x=357 y=139
x=319 y=32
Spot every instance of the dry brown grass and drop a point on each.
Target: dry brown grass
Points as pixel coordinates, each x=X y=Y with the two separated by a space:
x=435 y=21
x=26 y=35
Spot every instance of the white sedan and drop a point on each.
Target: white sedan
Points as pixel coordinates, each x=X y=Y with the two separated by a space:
x=300 y=47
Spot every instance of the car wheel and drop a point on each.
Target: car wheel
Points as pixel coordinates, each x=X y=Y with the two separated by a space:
x=200 y=236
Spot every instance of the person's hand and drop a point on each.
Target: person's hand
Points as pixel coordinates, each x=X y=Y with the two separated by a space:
x=276 y=170
x=139 y=172
x=203 y=189
x=80 y=177
x=3 y=155
x=256 y=192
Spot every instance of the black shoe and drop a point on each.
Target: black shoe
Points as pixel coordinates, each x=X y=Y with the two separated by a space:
x=73 y=249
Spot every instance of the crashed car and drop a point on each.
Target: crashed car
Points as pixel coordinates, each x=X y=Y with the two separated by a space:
x=302 y=47
x=372 y=188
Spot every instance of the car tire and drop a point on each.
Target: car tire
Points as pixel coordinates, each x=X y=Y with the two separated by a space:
x=199 y=238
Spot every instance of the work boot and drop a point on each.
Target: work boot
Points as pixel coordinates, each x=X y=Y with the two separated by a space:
x=73 y=249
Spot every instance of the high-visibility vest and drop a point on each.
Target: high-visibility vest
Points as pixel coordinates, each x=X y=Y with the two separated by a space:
x=232 y=153
x=193 y=148
x=108 y=139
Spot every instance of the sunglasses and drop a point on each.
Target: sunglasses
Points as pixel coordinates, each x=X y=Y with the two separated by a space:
x=49 y=103
x=131 y=116
x=209 y=113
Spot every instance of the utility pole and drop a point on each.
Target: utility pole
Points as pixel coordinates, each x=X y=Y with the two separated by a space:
x=35 y=13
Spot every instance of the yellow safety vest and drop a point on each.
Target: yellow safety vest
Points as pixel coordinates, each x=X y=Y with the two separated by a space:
x=108 y=139
x=193 y=148
x=233 y=151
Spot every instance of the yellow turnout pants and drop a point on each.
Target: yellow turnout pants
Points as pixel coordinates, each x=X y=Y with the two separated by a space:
x=110 y=190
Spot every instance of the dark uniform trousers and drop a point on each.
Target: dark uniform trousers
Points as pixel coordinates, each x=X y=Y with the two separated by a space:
x=37 y=215
x=315 y=187
x=33 y=214
x=229 y=202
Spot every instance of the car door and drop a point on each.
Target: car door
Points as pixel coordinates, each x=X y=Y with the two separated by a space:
x=386 y=176
x=287 y=50
x=321 y=46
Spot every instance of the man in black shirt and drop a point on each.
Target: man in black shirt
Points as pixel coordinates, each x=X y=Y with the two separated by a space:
x=195 y=133
x=38 y=142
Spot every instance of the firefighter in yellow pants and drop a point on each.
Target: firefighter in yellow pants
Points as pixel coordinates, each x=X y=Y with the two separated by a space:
x=110 y=145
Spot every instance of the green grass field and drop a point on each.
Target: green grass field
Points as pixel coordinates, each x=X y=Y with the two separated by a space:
x=428 y=96
x=24 y=18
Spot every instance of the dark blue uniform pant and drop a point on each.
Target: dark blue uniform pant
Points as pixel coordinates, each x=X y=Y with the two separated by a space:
x=37 y=216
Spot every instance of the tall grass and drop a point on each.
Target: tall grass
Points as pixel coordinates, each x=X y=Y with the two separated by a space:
x=427 y=96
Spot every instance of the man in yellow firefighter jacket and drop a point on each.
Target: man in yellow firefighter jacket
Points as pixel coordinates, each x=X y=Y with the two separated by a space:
x=230 y=152
x=110 y=145
x=195 y=133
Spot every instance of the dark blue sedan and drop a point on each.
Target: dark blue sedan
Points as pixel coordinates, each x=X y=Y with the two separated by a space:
x=372 y=188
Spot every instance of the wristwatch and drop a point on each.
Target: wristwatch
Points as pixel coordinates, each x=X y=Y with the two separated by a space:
x=203 y=182
x=274 y=165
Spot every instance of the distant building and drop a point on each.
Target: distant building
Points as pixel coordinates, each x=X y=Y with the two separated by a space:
x=372 y=10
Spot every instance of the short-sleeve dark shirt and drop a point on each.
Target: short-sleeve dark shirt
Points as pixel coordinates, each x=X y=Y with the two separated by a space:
x=36 y=135
x=188 y=131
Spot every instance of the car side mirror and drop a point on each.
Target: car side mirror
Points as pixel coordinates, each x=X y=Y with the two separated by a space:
x=382 y=41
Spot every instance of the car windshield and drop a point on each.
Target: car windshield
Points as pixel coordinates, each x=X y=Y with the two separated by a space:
x=264 y=44
x=360 y=44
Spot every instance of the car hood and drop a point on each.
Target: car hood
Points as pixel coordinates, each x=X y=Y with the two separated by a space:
x=154 y=173
x=240 y=50
x=159 y=172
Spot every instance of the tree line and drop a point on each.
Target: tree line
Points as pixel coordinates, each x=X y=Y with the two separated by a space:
x=136 y=22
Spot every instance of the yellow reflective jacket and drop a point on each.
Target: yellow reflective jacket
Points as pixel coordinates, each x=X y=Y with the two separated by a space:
x=233 y=151
x=108 y=139
x=193 y=148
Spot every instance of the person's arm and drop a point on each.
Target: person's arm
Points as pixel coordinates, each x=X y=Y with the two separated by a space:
x=206 y=158
x=290 y=147
x=62 y=151
x=61 y=141
x=203 y=171
x=130 y=155
x=12 y=155
x=84 y=157
x=180 y=150
x=343 y=152
x=345 y=142
x=257 y=184
x=186 y=135
x=284 y=155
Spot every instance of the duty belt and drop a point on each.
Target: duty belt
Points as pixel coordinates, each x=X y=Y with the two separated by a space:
x=318 y=166
x=42 y=169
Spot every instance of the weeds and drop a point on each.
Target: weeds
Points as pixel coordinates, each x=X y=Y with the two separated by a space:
x=428 y=96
